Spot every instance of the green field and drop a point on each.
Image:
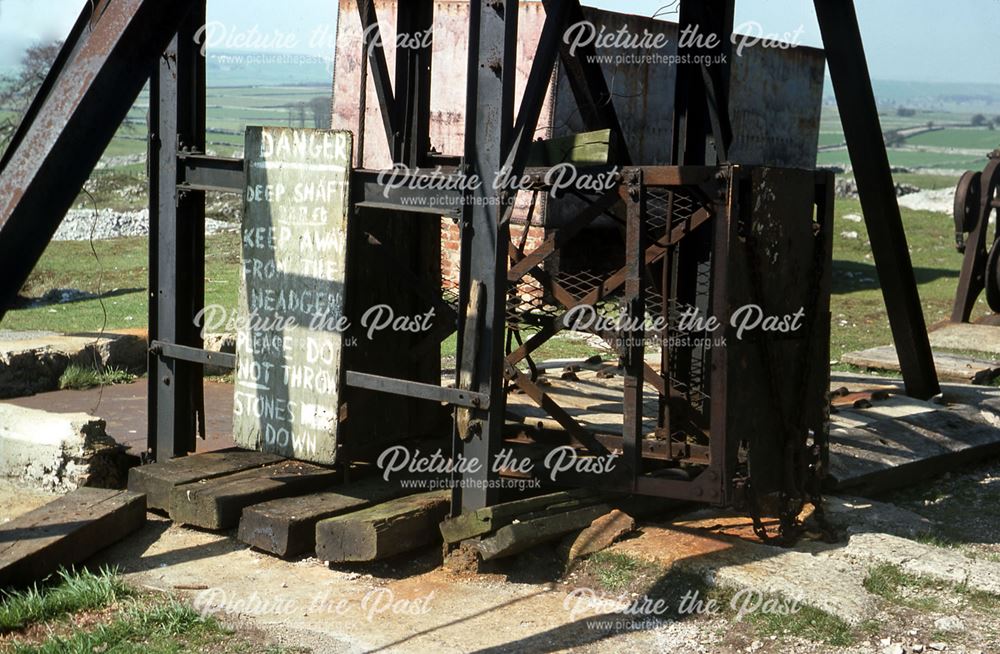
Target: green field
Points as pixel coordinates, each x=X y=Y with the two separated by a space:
x=971 y=137
x=859 y=318
x=229 y=110
x=119 y=273
x=959 y=135
x=926 y=180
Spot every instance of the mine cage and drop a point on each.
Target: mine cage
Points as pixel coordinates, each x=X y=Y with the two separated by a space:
x=666 y=436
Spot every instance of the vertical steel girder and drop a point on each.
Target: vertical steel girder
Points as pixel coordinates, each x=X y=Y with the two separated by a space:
x=412 y=92
x=845 y=55
x=586 y=80
x=176 y=409
x=701 y=111
x=488 y=127
x=635 y=311
x=97 y=78
x=699 y=138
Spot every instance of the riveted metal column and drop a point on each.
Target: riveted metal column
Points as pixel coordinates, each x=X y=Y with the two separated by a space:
x=633 y=348
x=488 y=128
x=177 y=242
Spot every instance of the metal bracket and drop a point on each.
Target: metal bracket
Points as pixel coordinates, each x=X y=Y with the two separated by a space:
x=455 y=396
x=192 y=354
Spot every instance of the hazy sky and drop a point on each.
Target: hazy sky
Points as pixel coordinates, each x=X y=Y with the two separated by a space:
x=922 y=40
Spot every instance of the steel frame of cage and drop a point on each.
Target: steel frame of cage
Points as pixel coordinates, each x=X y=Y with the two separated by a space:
x=49 y=160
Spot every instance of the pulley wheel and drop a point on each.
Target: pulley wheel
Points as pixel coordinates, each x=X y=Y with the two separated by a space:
x=993 y=277
x=966 y=211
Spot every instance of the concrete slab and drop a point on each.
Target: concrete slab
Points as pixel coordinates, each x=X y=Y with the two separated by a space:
x=950 y=367
x=720 y=546
x=967 y=336
x=927 y=561
x=306 y=604
x=34 y=362
x=855 y=515
x=58 y=452
x=123 y=408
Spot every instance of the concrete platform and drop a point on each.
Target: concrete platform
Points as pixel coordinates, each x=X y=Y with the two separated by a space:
x=123 y=408
x=33 y=362
x=967 y=336
x=950 y=367
x=59 y=451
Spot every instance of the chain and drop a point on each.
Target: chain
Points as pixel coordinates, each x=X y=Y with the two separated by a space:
x=798 y=483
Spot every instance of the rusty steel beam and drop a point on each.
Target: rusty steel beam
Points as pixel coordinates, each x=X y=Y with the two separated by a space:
x=97 y=79
x=489 y=124
x=176 y=407
x=587 y=82
x=375 y=58
x=845 y=53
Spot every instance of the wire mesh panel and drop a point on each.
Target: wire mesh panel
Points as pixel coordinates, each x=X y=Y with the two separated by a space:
x=652 y=278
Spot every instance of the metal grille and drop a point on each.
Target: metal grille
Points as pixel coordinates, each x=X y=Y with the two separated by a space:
x=668 y=209
x=659 y=209
x=528 y=304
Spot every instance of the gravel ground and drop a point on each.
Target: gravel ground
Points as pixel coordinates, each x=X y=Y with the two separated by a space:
x=80 y=225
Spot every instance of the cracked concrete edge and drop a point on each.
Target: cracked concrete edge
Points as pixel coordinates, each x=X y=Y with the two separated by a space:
x=922 y=560
x=59 y=451
x=35 y=365
x=759 y=570
x=861 y=514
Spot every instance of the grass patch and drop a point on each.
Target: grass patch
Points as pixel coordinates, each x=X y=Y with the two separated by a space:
x=859 y=317
x=926 y=181
x=807 y=622
x=936 y=540
x=140 y=629
x=123 y=264
x=87 y=612
x=76 y=591
x=886 y=580
x=560 y=346
x=890 y=582
x=965 y=138
x=617 y=572
x=978 y=599
x=79 y=378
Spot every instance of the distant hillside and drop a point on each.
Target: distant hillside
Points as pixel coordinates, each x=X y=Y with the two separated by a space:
x=935 y=96
x=274 y=68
